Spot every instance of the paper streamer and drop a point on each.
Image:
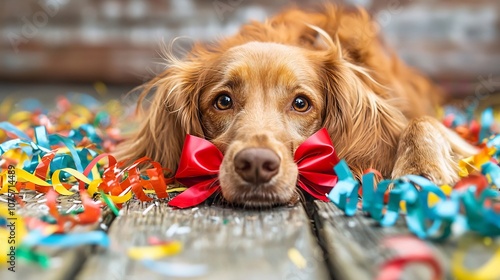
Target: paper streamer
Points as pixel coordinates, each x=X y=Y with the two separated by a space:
x=62 y=152
x=155 y=252
x=176 y=269
x=408 y=250
x=487 y=271
x=423 y=219
x=297 y=259
x=10 y=223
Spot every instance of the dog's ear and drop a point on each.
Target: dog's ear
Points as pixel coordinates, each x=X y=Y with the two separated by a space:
x=172 y=113
x=363 y=126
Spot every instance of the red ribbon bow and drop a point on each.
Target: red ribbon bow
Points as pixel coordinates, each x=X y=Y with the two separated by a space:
x=200 y=161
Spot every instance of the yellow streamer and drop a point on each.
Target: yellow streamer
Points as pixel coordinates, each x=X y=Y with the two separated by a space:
x=6 y=105
x=5 y=183
x=178 y=189
x=25 y=176
x=58 y=186
x=21 y=117
x=121 y=198
x=155 y=252
x=466 y=166
x=432 y=199
x=6 y=233
x=488 y=271
x=474 y=163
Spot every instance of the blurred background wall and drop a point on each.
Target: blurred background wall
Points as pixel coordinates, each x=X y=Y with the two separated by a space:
x=456 y=42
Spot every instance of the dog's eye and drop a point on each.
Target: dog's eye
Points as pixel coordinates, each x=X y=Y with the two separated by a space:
x=300 y=104
x=223 y=102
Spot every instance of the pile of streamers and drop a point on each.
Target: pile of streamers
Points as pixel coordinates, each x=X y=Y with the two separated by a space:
x=435 y=212
x=64 y=152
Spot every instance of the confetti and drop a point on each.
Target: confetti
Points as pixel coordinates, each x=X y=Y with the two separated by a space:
x=297 y=259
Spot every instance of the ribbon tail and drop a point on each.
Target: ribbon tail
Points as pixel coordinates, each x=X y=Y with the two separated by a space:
x=194 y=195
x=312 y=190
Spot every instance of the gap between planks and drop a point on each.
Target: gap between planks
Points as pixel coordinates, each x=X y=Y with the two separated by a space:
x=230 y=243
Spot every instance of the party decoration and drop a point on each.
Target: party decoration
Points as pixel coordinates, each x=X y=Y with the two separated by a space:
x=65 y=152
x=155 y=251
x=297 y=259
x=431 y=211
x=409 y=250
x=487 y=271
x=176 y=269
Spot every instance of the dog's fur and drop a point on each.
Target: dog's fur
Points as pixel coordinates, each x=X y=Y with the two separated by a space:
x=379 y=112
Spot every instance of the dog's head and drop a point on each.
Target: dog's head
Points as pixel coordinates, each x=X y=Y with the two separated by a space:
x=267 y=100
x=257 y=102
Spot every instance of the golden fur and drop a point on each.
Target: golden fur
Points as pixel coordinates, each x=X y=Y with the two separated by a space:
x=378 y=111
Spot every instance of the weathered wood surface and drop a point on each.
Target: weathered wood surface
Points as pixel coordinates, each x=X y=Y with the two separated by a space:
x=353 y=246
x=230 y=243
x=233 y=244
x=64 y=263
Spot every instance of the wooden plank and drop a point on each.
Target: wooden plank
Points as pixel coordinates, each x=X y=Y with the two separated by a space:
x=229 y=243
x=64 y=262
x=353 y=246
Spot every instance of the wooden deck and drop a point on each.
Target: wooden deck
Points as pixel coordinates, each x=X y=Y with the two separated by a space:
x=224 y=243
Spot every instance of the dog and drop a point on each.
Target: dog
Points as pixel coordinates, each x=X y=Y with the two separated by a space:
x=257 y=95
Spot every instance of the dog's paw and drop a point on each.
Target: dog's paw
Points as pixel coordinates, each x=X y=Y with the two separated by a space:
x=425 y=149
x=439 y=174
x=434 y=162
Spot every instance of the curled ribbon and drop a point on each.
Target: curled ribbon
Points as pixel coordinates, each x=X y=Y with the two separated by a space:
x=423 y=219
x=54 y=154
x=200 y=162
x=12 y=232
x=409 y=250
x=47 y=170
x=487 y=271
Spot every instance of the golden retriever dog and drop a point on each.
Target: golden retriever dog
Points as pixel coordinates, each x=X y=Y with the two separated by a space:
x=259 y=94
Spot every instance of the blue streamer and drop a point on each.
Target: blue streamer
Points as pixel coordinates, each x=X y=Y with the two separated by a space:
x=487 y=120
x=14 y=130
x=36 y=238
x=345 y=193
x=424 y=221
x=175 y=269
x=42 y=139
x=56 y=139
x=492 y=171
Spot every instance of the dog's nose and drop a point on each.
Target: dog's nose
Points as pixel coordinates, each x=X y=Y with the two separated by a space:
x=256 y=165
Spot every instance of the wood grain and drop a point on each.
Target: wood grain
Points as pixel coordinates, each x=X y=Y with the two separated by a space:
x=355 y=251
x=231 y=243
